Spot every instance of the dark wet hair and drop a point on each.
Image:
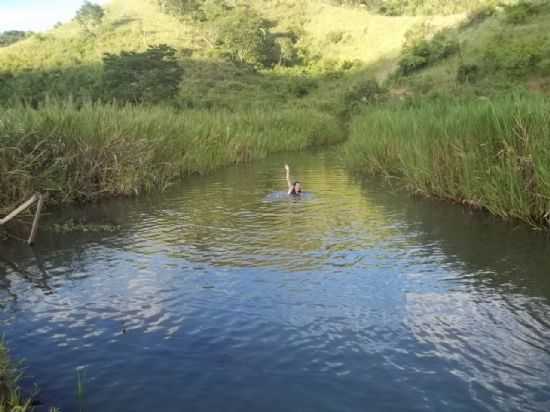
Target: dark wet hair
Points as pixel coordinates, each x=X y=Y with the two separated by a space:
x=294 y=188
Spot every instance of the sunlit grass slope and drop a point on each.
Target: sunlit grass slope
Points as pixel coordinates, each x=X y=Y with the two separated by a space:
x=505 y=55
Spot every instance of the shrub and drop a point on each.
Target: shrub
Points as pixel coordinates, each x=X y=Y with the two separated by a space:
x=426 y=52
x=479 y=15
x=10 y=37
x=246 y=38
x=151 y=76
x=179 y=8
x=520 y=12
x=89 y=15
x=366 y=92
x=467 y=73
x=420 y=7
x=302 y=86
x=515 y=57
x=335 y=36
x=410 y=63
x=287 y=50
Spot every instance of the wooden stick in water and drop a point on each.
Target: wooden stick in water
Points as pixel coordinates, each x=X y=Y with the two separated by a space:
x=36 y=219
x=24 y=206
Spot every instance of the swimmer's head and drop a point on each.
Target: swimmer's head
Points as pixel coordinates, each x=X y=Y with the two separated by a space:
x=297 y=187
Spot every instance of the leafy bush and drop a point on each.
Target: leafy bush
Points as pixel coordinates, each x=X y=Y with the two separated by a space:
x=417 y=7
x=467 y=73
x=515 y=57
x=288 y=52
x=151 y=76
x=520 y=12
x=426 y=52
x=410 y=63
x=335 y=36
x=302 y=86
x=417 y=33
x=246 y=37
x=179 y=7
x=366 y=92
x=479 y=15
x=10 y=37
x=89 y=16
x=214 y=9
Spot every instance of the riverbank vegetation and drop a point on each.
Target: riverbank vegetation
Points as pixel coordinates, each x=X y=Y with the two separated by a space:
x=78 y=152
x=491 y=154
x=467 y=117
x=11 y=399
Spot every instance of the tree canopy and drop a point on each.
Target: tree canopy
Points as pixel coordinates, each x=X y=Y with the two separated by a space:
x=246 y=37
x=150 y=76
x=89 y=15
x=12 y=36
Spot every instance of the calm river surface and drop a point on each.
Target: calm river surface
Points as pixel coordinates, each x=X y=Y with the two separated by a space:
x=218 y=296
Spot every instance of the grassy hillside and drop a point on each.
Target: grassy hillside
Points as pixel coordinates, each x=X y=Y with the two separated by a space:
x=499 y=50
x=330 y=42
x=336 y=48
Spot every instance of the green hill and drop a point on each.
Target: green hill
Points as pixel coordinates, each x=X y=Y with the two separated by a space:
x=327 y=42
x=498 y=50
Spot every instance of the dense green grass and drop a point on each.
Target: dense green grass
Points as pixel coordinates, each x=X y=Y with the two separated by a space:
x=10 y=396
x=86 y=152
x=11 y=399
x=488 y=154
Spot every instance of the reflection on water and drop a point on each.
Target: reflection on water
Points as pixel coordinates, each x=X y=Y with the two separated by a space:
x=225 y=295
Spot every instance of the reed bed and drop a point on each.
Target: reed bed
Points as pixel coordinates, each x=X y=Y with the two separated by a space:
x=487 y=154
x=85 y=152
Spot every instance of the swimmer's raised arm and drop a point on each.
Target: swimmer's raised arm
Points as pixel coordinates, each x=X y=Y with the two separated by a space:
x=288 y=178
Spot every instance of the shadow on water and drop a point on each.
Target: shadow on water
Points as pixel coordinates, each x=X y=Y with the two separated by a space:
x=490 y=252
x=209 y=297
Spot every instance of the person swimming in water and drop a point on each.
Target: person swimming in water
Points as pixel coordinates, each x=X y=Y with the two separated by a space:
x=294 y=188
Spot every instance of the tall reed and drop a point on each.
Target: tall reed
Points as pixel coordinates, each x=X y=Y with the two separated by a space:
x=83 y=152
x=489 y=154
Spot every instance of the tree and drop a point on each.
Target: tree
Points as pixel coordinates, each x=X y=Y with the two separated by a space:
x=179 y=8
x=89 y=15
x=246 y=37
x=150 y=76
x=197 y=9
x=12 y=36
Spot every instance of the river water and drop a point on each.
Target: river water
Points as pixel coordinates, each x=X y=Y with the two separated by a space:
x=221 y=295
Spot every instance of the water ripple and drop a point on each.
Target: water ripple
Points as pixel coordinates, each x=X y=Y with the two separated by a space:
x=227 y=295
